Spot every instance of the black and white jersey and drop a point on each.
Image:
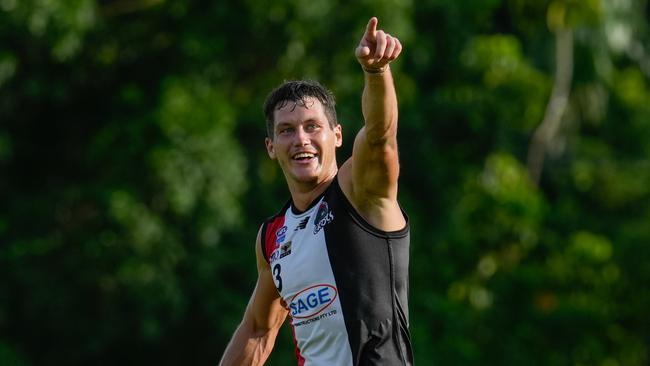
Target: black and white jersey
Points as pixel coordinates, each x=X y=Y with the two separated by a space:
x=344 y=282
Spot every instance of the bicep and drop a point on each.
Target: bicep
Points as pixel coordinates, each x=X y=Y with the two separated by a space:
x=374 y=167
x=369 y=181
x=266 y=309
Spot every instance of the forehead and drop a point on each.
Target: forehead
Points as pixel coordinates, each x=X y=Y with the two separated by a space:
x=309 y=108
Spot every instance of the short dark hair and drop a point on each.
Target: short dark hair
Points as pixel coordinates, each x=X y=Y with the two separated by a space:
x=298 y=91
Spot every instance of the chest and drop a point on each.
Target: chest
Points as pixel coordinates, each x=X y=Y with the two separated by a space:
x=300 y=263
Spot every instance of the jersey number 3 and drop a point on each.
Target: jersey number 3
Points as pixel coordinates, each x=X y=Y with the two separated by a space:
x=278 y=279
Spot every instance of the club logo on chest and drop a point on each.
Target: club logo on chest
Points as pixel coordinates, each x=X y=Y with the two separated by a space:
x=323 y=217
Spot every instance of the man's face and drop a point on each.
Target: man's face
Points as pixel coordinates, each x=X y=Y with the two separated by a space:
x=304 y=143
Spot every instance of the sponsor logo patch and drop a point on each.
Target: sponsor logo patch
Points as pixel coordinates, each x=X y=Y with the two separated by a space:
x=312 y=301
x=315 y=319
x=285 y=249
x=281 y=251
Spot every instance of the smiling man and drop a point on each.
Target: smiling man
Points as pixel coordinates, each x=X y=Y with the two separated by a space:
x=335 y=257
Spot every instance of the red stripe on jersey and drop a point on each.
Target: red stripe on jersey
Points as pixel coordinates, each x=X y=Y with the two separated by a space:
x=301 y=360
x=271 y=239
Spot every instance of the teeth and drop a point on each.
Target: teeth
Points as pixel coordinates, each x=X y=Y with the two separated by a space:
x=303 y=155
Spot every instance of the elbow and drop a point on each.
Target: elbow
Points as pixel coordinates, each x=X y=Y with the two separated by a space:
x=255 y=329
x=264 y=330
x=382 y=136
x=260 y=332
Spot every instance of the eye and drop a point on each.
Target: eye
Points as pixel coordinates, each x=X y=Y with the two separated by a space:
x=312 y=127
x=285 y=130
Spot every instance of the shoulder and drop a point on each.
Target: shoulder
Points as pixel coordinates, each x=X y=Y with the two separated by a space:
x=270 y=228
x=383 y=213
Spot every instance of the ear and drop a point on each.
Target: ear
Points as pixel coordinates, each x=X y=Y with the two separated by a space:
x=270 y=149
x=338 y=132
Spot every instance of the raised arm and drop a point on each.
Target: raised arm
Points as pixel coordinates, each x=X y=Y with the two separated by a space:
x=254 y=338
x=379 y=106
x=369 y=178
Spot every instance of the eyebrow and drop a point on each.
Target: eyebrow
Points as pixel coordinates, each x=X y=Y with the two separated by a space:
x=283 y=124
x=289 y=124
x=312 y=120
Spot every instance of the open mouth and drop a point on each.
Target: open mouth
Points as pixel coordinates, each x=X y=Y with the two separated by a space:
x=304 y=157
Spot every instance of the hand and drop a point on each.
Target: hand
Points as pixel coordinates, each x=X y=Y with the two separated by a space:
x=377 y=48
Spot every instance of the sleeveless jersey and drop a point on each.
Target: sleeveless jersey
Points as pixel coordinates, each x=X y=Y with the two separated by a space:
x=344 y=282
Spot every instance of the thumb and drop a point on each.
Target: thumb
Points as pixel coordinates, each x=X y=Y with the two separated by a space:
x=362 y=51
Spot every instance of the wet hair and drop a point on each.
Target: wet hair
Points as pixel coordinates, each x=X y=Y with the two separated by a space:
x=298 y=91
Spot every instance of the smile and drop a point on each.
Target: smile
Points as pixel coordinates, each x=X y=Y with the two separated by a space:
x=303 y=156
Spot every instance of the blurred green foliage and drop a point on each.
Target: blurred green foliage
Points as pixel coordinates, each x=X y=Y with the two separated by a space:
x=133 y=176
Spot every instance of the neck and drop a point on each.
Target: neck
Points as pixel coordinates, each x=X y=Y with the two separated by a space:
x=303 y=194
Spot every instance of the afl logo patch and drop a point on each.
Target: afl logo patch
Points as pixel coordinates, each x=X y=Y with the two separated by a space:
x=312 y=301
x=280 y=234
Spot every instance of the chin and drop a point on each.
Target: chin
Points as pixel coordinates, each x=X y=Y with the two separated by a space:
x=305 y=177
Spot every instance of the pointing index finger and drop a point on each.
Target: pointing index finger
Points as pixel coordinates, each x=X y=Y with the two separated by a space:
x=371 y=29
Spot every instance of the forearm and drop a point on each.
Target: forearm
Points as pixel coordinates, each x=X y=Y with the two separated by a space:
x=248 y=348
x=379 y=106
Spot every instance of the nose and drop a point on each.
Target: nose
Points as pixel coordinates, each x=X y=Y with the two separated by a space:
x=301 y=137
